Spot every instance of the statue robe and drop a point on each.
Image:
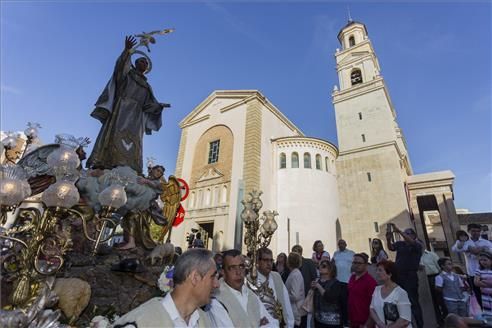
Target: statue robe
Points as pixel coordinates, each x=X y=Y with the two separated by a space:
x=126 y=108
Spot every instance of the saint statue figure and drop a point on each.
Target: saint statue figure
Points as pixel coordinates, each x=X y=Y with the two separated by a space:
x=127 y=108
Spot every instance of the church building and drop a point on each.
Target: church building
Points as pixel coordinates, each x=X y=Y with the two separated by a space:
x=237 y=141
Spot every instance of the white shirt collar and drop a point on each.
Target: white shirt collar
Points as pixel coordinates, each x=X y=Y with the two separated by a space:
x=173 y=312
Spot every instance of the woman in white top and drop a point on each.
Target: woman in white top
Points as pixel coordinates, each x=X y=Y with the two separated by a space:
x=295 y=286
x=390 y=306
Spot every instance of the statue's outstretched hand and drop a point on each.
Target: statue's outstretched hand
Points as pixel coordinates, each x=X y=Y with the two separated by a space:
x=130 y=42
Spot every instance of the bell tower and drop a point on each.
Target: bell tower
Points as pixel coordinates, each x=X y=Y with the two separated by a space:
x=373 y=161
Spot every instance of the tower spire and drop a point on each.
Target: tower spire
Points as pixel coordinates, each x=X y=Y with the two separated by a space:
x=349 y=16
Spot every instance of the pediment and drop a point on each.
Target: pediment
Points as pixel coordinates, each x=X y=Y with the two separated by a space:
x=210 y=174
x=353 y=56
x=215 y=102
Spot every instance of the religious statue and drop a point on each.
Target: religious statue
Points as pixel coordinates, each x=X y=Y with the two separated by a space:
x=127 y=108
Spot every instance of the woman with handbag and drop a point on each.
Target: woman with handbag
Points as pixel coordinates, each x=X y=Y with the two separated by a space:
x=295 y=286
x=329 y=298
x=390 y=306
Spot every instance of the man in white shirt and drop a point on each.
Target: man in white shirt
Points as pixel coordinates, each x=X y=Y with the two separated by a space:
x=471 y=248
x=280 y=293
x=195 y=278
x=343 y=261
x=235 y=305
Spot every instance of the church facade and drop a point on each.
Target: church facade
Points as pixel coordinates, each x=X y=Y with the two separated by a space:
x=237 y=141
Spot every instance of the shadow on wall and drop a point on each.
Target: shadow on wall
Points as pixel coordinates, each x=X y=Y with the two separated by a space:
x=378 y=230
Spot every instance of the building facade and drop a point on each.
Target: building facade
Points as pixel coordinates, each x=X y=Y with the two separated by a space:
x=237 y=141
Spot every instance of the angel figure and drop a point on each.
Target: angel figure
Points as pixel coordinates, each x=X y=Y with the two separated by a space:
x=147 y=38
x=136 y=224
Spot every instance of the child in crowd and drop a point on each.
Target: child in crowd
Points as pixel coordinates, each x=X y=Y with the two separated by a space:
x=483 y=279
x=451 y=286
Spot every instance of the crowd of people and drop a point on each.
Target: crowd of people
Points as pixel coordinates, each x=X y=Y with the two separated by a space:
x=347 y=289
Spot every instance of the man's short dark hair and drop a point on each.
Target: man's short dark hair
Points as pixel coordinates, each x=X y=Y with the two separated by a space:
x=193 y=259
x=410 y=231
x=473 y=226
x=263 y=251
x=231 y=253
x=442 y=261
x=363 y=256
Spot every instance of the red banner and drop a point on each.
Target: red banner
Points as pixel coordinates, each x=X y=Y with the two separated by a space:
x=180 y=215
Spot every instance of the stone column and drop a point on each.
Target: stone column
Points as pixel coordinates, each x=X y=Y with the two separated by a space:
x=417 y=219
x=450 y=223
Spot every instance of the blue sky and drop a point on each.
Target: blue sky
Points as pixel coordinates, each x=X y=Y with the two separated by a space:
x=436 y=58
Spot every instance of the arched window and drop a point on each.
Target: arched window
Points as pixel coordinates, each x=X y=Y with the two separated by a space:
x=327 y=164
x=351 y=41
x=283 y=161
x=356 y=76
x=307 y=160
x=295 y=160
x=318 y=162
x=224 y=195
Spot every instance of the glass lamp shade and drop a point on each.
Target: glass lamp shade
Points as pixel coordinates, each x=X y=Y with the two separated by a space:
x=13 y=185
x=113 y=196
x=13 y=191
x=270 y=225
x=10 y=141
x=61 y=194
x=64 y=161
x=31 y=132
x=248 y=215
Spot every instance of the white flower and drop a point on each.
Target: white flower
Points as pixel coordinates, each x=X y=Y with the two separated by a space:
x=99 y=322
x=165 y=281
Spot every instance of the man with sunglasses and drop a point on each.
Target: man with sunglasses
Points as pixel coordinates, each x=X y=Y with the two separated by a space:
x=360 y=288
x=236 y=302
x=265 y=265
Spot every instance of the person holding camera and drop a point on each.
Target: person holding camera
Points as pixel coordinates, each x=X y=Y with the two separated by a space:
x=407 y=262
